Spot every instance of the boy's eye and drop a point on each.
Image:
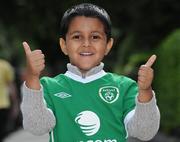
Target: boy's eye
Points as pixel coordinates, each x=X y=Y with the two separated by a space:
x=76 y=37
x=95 y=37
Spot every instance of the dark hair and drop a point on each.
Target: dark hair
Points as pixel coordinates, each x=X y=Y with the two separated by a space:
x=87 y=10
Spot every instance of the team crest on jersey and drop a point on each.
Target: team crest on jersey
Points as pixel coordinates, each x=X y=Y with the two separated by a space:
x=109 y=94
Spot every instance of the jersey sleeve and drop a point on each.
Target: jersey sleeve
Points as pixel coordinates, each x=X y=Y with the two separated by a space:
x=129 y=97
x=48 y=101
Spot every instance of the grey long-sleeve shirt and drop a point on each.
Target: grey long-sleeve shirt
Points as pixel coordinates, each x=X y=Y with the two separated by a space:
x=142 y=123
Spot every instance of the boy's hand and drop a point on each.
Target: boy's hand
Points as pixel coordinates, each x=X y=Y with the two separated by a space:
x=145 y=74
x=145 y=78
x=35 y=64
x=35 y=61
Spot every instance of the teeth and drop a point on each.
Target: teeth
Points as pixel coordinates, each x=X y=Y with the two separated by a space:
x=86 y=54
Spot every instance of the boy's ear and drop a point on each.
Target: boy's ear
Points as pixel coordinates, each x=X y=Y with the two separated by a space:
x=62 y=43
x=109 y=45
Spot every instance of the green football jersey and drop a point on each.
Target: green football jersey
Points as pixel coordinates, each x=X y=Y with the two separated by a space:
x=91 y=109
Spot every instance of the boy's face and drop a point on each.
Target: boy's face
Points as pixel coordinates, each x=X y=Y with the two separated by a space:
x=86 y=43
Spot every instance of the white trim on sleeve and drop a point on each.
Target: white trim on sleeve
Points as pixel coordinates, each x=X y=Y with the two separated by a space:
x=127 y=119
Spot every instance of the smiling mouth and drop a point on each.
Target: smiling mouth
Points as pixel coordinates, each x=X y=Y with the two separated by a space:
x=86 y=54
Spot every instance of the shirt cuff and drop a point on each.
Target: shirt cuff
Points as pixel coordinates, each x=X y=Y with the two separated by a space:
x=151 y=102
x=149 y=107
x=24 y=86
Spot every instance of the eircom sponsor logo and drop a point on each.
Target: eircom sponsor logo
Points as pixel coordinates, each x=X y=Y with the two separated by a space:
x=106 y=140
x=89 y=123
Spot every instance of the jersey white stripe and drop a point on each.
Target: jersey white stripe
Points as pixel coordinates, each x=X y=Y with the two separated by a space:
x=127 y=119
x=52 y=136
x=87 y=79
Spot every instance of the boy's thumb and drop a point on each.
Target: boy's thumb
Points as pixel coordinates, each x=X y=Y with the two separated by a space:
x=27 y=49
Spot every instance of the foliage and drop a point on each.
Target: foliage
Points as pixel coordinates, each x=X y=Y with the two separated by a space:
x=167 y=81
x=130 y=57
x=11 y=45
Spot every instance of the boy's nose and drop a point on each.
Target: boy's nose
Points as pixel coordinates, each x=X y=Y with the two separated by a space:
x=86 y=43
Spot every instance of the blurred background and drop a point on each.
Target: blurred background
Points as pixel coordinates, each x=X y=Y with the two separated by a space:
x=140 y=29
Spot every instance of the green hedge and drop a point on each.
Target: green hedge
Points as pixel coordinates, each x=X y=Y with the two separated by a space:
x=167 y=81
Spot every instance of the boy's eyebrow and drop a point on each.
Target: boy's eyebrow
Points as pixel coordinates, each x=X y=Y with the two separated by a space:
x=78 y=32
x=99 y=32
x=74 y=32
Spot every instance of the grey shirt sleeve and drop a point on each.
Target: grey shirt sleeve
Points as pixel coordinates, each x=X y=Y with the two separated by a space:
x=144 y=120
x=37 y=118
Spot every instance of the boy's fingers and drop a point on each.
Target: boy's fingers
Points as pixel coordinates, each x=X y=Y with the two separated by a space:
x=151 y=61
x=26 y=48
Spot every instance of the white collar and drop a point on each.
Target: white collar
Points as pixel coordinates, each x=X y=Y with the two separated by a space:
x=93 y=74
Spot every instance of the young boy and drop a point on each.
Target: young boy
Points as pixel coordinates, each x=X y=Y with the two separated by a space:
x=87 y=104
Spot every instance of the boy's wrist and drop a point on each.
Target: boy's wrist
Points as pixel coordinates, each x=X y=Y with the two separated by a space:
x=33 y=82
x=145 y=95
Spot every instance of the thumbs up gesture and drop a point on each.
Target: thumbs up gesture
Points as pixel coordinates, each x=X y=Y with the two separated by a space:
x=35 y=64
x=145 y=78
